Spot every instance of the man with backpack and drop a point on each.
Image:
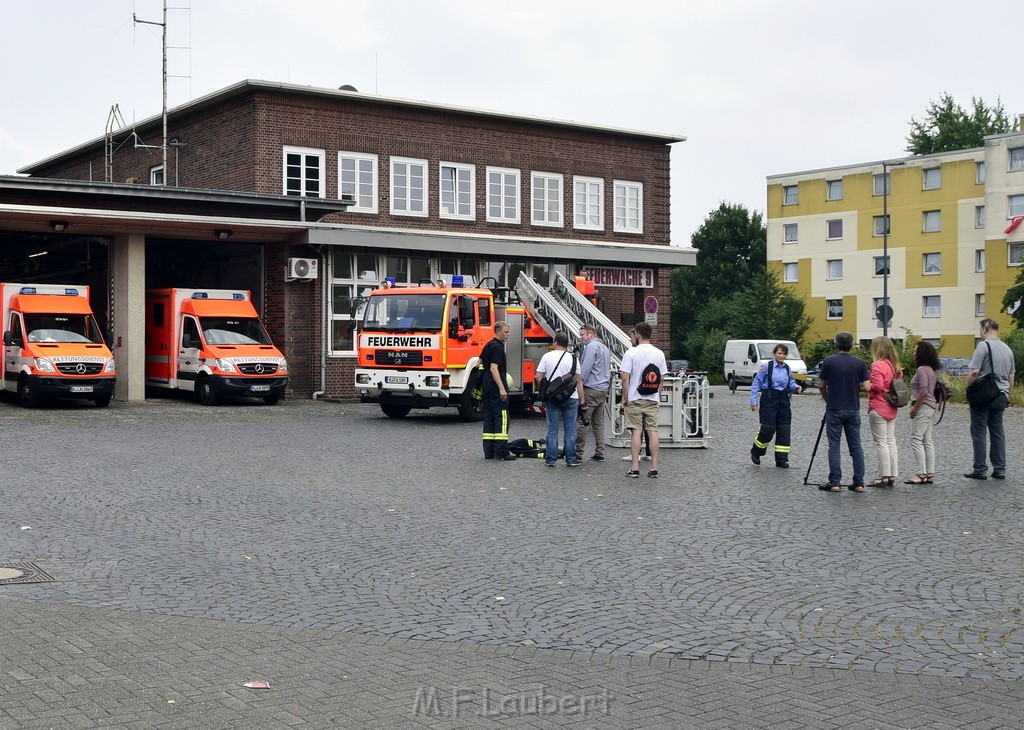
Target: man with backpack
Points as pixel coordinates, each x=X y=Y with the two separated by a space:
x=992 y=359
x=643 y=366
x=561 y=388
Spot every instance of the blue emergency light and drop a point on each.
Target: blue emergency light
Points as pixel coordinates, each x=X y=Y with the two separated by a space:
x=391 y=281
x=71 y=292
x=200 y=295
x=27 y=290
x=238 y=296
x=457 y=280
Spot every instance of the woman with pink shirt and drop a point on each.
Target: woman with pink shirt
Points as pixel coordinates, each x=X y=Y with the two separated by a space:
x=882 y=415
x=922 y=411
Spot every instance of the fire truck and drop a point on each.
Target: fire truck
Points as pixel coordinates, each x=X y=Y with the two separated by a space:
x=419 y=347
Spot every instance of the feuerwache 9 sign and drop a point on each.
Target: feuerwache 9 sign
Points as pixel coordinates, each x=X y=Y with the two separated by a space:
x=621 y=276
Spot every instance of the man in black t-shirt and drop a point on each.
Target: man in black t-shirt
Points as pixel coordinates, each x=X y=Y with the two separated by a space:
x=843 y=377
x=493 y=381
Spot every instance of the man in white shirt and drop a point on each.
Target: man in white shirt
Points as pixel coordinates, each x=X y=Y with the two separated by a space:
x=553 y=365
x=641 y=409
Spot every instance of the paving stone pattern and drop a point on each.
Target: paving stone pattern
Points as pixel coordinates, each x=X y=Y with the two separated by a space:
x=362 y=564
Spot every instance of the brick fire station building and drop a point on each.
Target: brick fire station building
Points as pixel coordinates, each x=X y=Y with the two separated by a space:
x=309 y=197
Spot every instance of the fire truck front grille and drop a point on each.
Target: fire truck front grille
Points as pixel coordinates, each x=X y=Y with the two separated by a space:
x=258 y=368
x=412 y=358
x=80 y=368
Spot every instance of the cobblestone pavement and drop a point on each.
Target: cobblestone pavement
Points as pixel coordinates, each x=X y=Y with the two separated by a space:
x=380 y=573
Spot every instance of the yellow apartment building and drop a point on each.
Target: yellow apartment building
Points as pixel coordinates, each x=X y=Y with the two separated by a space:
x=946 y=262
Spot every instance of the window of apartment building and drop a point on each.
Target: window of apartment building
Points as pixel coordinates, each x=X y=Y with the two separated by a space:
x=353 y=276
x=931 y=178
x=1015 y=206
x=881 y=264
x=834 y=269
x=876 y=304
x=834 y=229
x=408 y=186
x=932 y=263
x=979 y=260
x=1017 y=158
x=834 y=308
x=1016 y=254
x=789 y=273
x=629 y=207
x=979 y=173
x=789 y=233
x=502 y=195
x=357 y=179
x=156 y=175
x=833 y=190
x=881 y=225
x=979 y=305
x=304 y=172
x=457 y=191
x=547 y=199
x=932 y=221
x=881 y=184
x=790 y=195
x=588 y=203
x=979 y=216
x=931 y=306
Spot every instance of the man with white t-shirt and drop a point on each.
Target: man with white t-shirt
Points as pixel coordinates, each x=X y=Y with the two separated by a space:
x=641 y=410
x=555 y=364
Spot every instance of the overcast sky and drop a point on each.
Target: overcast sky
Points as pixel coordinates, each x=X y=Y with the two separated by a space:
x=759 y=87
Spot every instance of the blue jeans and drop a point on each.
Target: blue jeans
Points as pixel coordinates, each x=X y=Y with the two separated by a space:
x=987 y=422
x=564 y=414
x=836 y=422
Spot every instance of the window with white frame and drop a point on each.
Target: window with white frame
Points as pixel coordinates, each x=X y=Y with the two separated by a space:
x=932 y=222
x=931 y=306
x=833 y=190
x=409 y=186
x=876 y=304
x=932 y=263
x=979 y=260
x=502 y=195
x=1016 y=158
x=506 y=273
x=931 y=178
x=881 y=264
x=156 y=175
x=790 y=195
x=789 y=233
x=881 y=184
x=357 y=179
x=629 y=206
x=456 y=191
x=789 y=273
x=881 y=225
x=979 y=216
x=353 y=277
x=1014 y=206
x=834 y=269
x=834 y=308
x=834 y=229
x=547 y=199
x=1016 y=254
x=979 y=173
x=407 y=269
x=979 y=305
x=588 y=203
x=304 y=172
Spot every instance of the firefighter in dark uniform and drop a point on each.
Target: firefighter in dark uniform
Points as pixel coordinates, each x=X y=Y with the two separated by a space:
x=773 y=383
x=493 y=379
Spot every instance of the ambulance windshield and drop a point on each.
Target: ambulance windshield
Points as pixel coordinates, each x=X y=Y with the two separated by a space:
x=78 y=328
x=400 y=312
x=234 y=331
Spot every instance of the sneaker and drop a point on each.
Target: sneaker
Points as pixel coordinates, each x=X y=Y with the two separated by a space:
x=644 y=457
x=549 y=463
x=574 y=463
x=972 y=475
x=653 y=473
x=633 y=473
x=597 y=457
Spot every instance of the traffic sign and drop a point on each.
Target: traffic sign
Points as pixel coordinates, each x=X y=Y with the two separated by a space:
x=884 y=313
x=651 y=305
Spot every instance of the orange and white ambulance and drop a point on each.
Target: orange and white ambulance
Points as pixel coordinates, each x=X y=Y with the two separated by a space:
x=53 y=347
x=212 y=343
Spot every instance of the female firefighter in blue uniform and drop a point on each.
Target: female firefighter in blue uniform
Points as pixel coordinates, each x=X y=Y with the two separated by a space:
x=774 y=382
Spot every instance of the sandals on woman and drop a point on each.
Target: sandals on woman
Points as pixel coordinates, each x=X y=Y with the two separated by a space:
x=882 y=482
x=920 y=479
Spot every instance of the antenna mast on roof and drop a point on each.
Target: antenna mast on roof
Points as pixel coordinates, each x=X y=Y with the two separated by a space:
x=163 y=141
x=114 y=122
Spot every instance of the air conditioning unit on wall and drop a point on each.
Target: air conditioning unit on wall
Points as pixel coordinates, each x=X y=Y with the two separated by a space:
x=301 y=270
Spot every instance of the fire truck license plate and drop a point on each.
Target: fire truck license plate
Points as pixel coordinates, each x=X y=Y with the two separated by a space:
x=259 y=388
x=397 y=379
x=81 y=388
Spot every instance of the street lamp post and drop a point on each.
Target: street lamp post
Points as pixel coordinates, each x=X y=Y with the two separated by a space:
x=884 y=309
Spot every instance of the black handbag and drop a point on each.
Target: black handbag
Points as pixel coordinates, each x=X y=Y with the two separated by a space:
x=984 y=390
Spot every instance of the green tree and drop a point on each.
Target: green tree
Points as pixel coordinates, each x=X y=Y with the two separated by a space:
x=731 y=245
x=947 y=126
x=1013 y=298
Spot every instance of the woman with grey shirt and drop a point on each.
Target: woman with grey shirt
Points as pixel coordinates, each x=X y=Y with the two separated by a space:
x=922 y=412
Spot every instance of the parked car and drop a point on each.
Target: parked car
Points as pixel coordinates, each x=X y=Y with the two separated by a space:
x=679 y=367
x=812 y=377
x=956 y=367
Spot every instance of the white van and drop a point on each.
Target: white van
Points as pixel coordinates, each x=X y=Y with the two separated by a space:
x=743 y=358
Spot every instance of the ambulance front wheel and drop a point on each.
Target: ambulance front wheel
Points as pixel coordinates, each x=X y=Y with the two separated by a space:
x=395 y=411
x=27 y=394
x=272 y=398
x=204 y=392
